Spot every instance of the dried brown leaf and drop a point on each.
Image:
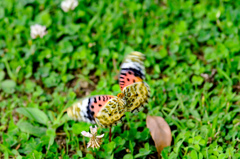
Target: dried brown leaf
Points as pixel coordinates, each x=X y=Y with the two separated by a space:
x=160 y=132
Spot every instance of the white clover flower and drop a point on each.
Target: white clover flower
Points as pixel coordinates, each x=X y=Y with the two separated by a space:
x=67 y=5
x=38 y=31
x=95 y=141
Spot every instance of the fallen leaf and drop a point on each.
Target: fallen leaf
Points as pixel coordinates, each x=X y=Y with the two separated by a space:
x=160 y=132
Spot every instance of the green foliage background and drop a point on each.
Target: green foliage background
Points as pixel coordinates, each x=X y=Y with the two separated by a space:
x=192 y=61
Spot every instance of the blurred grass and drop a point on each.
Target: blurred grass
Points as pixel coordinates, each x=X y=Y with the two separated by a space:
x=192 y=61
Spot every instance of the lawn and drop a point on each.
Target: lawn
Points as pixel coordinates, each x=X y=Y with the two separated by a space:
x=192 y=51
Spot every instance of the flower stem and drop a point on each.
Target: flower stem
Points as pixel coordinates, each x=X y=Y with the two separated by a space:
x=110 y=134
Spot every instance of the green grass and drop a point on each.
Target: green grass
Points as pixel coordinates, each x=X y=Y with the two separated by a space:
x=81 y=55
